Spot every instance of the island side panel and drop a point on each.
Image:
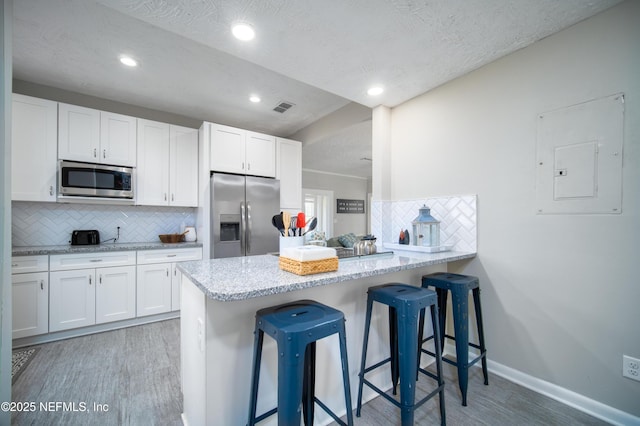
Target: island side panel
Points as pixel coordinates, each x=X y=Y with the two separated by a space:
x=192 y=353
x=229 y=349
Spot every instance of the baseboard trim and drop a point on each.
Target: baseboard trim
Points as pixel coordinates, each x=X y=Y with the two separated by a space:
x=565 y=396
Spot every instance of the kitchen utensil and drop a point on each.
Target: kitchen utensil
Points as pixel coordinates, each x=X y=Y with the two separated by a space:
x=294 y=221
x=286 y=220
x=312 y=225
x=276 y=221
x=301 y=223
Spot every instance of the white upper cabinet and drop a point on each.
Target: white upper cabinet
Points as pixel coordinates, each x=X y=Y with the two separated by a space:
x=89 y=135
x=227 y=149
x=34 y=145
x=261 y=154
x=117 y=139
x=289 y=172
x=183 y=166
x=243 y=152
x=167 y=170
x=153 y=163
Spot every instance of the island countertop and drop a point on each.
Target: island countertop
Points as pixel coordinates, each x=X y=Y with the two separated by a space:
x=241 y=278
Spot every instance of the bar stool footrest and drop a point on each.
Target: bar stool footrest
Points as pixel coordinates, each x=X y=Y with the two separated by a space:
x=452 y=362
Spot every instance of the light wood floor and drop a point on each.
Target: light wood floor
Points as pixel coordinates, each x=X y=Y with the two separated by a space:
x=136 y=372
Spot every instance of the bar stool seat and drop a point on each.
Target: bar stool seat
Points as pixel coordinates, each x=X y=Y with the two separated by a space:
x=459 y=286
x=406 y=304
x=296 y=327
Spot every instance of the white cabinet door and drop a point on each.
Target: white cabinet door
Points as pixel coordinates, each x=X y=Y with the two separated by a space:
x=260 y=155
x=227 y=149
x=183 y=170
x=93 y=136
x=34 y=149
x=115 y=293
x=153 y=163
x=176 y=277
x=154 y=289
x=78 y=133
x=72 y=299
x=117 y=139
x=289 y=171
x=30 y=304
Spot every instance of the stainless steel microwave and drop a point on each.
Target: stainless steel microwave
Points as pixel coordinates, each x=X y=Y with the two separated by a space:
x=95 y=183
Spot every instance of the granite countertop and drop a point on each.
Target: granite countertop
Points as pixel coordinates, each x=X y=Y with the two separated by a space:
x=68 y=249
x=241 y=278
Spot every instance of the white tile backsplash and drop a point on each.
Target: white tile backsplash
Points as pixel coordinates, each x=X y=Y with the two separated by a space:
x=36 y=224
x=457 y=216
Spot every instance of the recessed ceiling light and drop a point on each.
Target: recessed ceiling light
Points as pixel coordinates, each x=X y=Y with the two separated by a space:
x=255 y=99
x=243 y=32
x=375 y=91
x=128 y=61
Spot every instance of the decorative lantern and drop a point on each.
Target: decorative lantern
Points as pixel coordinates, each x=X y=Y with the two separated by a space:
x=426 y=229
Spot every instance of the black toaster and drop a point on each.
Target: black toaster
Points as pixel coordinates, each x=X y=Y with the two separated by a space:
x=85 y=238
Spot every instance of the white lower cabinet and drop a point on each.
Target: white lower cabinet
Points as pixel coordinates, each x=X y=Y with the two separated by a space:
x=154 y=289
x=159 y=279
x=88 y=296
x=30 y=295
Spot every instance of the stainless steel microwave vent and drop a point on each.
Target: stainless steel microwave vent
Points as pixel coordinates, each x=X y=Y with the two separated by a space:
x=283 y=106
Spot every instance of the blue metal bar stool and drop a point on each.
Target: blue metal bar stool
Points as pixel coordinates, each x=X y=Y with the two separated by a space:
x=406 y=303
x=459 y=285
x=296 y=327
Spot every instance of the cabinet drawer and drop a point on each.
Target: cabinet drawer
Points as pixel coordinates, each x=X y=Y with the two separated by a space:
x=146 y=257
x=22 y=264
x=65 y=262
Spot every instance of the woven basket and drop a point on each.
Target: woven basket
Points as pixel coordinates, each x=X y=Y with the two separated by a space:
x=309 y=267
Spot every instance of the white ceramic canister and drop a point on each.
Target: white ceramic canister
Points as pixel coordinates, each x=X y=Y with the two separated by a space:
x=191 y=235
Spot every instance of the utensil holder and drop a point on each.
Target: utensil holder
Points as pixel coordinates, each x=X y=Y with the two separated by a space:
x=286 y=242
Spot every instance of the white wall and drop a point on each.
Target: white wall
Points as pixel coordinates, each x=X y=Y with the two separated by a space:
x=561 y=293
x=352 y=188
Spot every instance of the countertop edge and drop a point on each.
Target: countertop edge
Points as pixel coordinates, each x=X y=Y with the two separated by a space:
x=321 y=279
x=100 y=248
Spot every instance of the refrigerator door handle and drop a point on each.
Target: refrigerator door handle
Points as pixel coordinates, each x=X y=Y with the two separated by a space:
x=248 y=228
x=243 y=228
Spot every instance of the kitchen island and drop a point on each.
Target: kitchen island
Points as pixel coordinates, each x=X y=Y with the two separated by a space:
x=220 y=298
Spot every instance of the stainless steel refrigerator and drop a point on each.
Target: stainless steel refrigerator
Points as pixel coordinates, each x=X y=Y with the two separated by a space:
x=241 y=212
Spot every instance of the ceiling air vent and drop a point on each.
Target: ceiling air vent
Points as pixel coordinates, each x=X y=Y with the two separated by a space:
x=283 y=106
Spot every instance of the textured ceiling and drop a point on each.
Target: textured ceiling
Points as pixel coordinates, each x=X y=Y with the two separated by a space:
x=319 y=55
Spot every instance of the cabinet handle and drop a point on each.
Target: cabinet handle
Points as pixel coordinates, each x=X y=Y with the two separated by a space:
x=50 y=189
x=89 y=279
x=171 y=255
x=100 y=278
x=95 y=260
x=243 y=166
x=172 y=197
x=41 y=284
x=104 y=153
x=248 y=166
x=95 y=153
x=167 y=271
x=175 y=272
x=14 y=265
x=165 y=196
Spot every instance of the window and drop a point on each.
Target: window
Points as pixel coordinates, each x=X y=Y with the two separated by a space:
x=319 y=204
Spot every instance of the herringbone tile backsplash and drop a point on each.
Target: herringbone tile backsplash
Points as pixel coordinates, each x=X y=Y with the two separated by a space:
x=457 y=216
x=43 y=224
